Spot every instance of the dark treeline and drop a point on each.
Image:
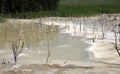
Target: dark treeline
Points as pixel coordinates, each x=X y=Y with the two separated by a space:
x=14 y=6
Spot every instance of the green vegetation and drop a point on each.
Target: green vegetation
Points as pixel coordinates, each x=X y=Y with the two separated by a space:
x=74 y=8
x=88 y=7
x=87 y=10
x=2 y=20
x=90 y=2
x=28 y=15
x=16 y=6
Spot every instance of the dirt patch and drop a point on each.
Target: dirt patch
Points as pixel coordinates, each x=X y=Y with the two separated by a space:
x=57 y=69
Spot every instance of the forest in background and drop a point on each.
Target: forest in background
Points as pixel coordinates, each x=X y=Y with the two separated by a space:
x=14 y=6
x=63 y=8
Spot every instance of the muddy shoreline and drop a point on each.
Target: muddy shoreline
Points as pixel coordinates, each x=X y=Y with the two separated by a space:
x=104 y=58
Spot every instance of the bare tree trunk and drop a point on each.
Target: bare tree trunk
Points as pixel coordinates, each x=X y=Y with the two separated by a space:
x=103 y=33
x=105 y=26
x=27 y=38
x=80 y=26
x=102 y=25
x=116 y=44
x=119 y=37
x=40 y=31
x=48 y=49
x=119 y=33
x=94 y=30
x=74 y=25
x=48 y=33
x=5 y=36
x=15 y=56
x=33 y=29
x=84 y=28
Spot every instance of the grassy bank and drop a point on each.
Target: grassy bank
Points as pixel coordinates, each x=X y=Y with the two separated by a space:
x=74 y=8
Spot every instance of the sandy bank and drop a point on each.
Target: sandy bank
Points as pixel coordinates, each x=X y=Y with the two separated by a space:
x=56 y=69
x=104 y=50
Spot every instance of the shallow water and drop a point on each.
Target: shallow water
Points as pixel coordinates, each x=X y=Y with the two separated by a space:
x=66 y=48
x=63 y=48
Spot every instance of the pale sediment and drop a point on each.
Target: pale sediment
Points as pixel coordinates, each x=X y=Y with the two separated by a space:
x=104 y=50
x=101 y=50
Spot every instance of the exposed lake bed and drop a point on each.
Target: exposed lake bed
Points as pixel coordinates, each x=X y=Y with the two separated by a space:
x=66 y=48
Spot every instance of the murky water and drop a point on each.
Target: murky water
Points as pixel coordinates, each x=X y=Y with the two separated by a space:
x=63 y=48
x=66 y=48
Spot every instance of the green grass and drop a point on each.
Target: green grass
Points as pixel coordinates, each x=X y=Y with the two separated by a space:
x=29 y=15
x=89 y=2
x=74 y=8
x=87 y=10
x=77 y=8
x=2 y=20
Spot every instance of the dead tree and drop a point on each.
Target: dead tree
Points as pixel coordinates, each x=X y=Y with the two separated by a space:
x=104 y=26
x=74 y=27
x=119 y=33
x=116 y=40
x=40 y=31
x=94 y=29
x=27 y=37
x=48 y=51
x=17 y=47
x=80 y=27
x=84 y=27
x=48 y=33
